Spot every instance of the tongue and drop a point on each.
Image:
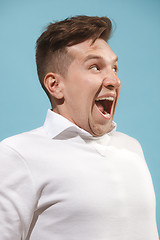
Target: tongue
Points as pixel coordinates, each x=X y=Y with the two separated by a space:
x=100 y=106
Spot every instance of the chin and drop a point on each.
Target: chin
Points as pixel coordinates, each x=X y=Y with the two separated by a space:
x=98 y=131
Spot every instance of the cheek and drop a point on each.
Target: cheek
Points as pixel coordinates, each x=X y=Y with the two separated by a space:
x=85 y=89
x=92 y=86
x=81 y=89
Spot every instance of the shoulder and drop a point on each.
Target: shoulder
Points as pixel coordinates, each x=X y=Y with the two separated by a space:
x=25 y=138
x=129 y=143
x=12 y=161
x=14 y=169
x=125 y=138
x=7 y=152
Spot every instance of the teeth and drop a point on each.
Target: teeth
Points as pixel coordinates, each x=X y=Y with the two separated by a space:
x=105 y=98
x=105 y=113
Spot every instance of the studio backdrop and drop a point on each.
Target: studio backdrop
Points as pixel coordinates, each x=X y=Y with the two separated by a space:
x=136 y=41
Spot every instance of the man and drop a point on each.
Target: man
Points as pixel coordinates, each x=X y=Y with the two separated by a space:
x=76 y=177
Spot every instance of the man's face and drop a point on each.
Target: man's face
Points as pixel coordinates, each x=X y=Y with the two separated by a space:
x=91 y=87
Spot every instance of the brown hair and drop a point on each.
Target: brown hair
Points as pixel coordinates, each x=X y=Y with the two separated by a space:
x=51 y=46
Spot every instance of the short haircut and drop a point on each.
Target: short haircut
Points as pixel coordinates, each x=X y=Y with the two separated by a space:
x=51 y=46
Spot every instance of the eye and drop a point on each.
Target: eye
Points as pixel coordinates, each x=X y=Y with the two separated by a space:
x=115 y=69
x=95 y=67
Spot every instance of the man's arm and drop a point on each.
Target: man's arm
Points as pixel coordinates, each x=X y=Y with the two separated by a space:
x=17 y=195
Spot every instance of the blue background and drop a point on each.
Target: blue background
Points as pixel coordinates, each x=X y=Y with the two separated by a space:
x=136 y=41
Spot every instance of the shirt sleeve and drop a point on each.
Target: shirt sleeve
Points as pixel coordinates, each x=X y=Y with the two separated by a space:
x=17 y=195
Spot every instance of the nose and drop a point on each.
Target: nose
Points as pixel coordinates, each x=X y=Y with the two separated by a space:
x=111 y=81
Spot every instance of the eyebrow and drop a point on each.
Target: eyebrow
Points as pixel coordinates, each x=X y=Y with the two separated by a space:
x=92 y=56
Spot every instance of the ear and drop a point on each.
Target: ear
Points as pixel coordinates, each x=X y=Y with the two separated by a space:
x=52 y=82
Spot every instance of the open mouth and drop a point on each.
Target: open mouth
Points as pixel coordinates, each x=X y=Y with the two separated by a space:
x=105 y=105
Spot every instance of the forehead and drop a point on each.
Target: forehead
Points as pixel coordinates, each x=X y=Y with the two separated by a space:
x=87 y=50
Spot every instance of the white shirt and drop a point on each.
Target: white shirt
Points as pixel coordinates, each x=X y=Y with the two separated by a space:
x=58 y=182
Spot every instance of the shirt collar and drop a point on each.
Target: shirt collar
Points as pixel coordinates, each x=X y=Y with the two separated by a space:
x=56 y=124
